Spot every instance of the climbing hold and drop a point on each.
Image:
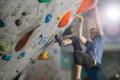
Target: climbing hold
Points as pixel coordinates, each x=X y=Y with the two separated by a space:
x=5 y=47
x=3 y=23
x=59 y=17
x=65 y=19
x=22 y=55
x=7 y=57
x=18 y=71
x=18 y=22
x=40 y=57
x=33 y=60
x=44 y=1
x=25 y=13
x=55 y=50
x=33 y=68
x=86 y=5
x=40 y=35
x=43 y=56
x=78 y=16
x=42 y=40
x=71 y=30
x=48 y=18
x=23 y=41
x=53 y=35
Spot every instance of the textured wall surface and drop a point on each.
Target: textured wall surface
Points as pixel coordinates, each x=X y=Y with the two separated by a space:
x=58 y=63
x=10 y=11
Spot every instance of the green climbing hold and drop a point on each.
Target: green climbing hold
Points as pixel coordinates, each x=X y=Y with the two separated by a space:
x=44 y=1
x=5 y=47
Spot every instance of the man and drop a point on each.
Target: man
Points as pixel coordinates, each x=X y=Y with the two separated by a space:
x=94 y=49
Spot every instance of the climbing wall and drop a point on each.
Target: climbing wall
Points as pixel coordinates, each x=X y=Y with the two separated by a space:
x=48 y=69
x=26 y=29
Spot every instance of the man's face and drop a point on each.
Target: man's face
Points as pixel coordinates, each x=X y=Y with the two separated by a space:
x=93 y=33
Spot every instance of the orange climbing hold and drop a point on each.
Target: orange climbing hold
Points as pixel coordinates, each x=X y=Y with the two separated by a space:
x=65 y=19
x=86 y=5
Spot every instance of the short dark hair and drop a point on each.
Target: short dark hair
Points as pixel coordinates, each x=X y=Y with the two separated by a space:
x=92 y=28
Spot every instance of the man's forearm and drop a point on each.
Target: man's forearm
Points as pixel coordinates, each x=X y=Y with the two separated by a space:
x=80 y=28
x=98 y=22
x=82 y=38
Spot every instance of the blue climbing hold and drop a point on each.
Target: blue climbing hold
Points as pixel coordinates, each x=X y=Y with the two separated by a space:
x=42 y=40
x=33 y=68
x=48 y=18
x=55 y=51
x=22 y=55
x=7 y=57
x=3 y=23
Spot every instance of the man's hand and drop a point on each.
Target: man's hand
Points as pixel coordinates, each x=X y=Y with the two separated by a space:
x=82 y=38
x=80 y=17
x=96 y=2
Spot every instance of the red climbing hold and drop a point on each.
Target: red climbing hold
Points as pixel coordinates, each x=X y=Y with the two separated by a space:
x=24 y=40
x=86 y=5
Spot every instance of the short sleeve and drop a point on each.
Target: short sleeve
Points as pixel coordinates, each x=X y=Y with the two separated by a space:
x=102 y=37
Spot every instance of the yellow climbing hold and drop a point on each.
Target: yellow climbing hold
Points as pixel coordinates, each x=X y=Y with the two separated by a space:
x=71 y=30
x=78 y=16
x=59 y=17
x=53 y=35
x=5 y=47
x=45 y=55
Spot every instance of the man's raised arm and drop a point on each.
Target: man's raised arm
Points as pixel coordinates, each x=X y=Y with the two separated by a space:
x=82 y=38
x=98 y=22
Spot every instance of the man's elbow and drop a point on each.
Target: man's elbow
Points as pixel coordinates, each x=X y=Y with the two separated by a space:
x=101 y=33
